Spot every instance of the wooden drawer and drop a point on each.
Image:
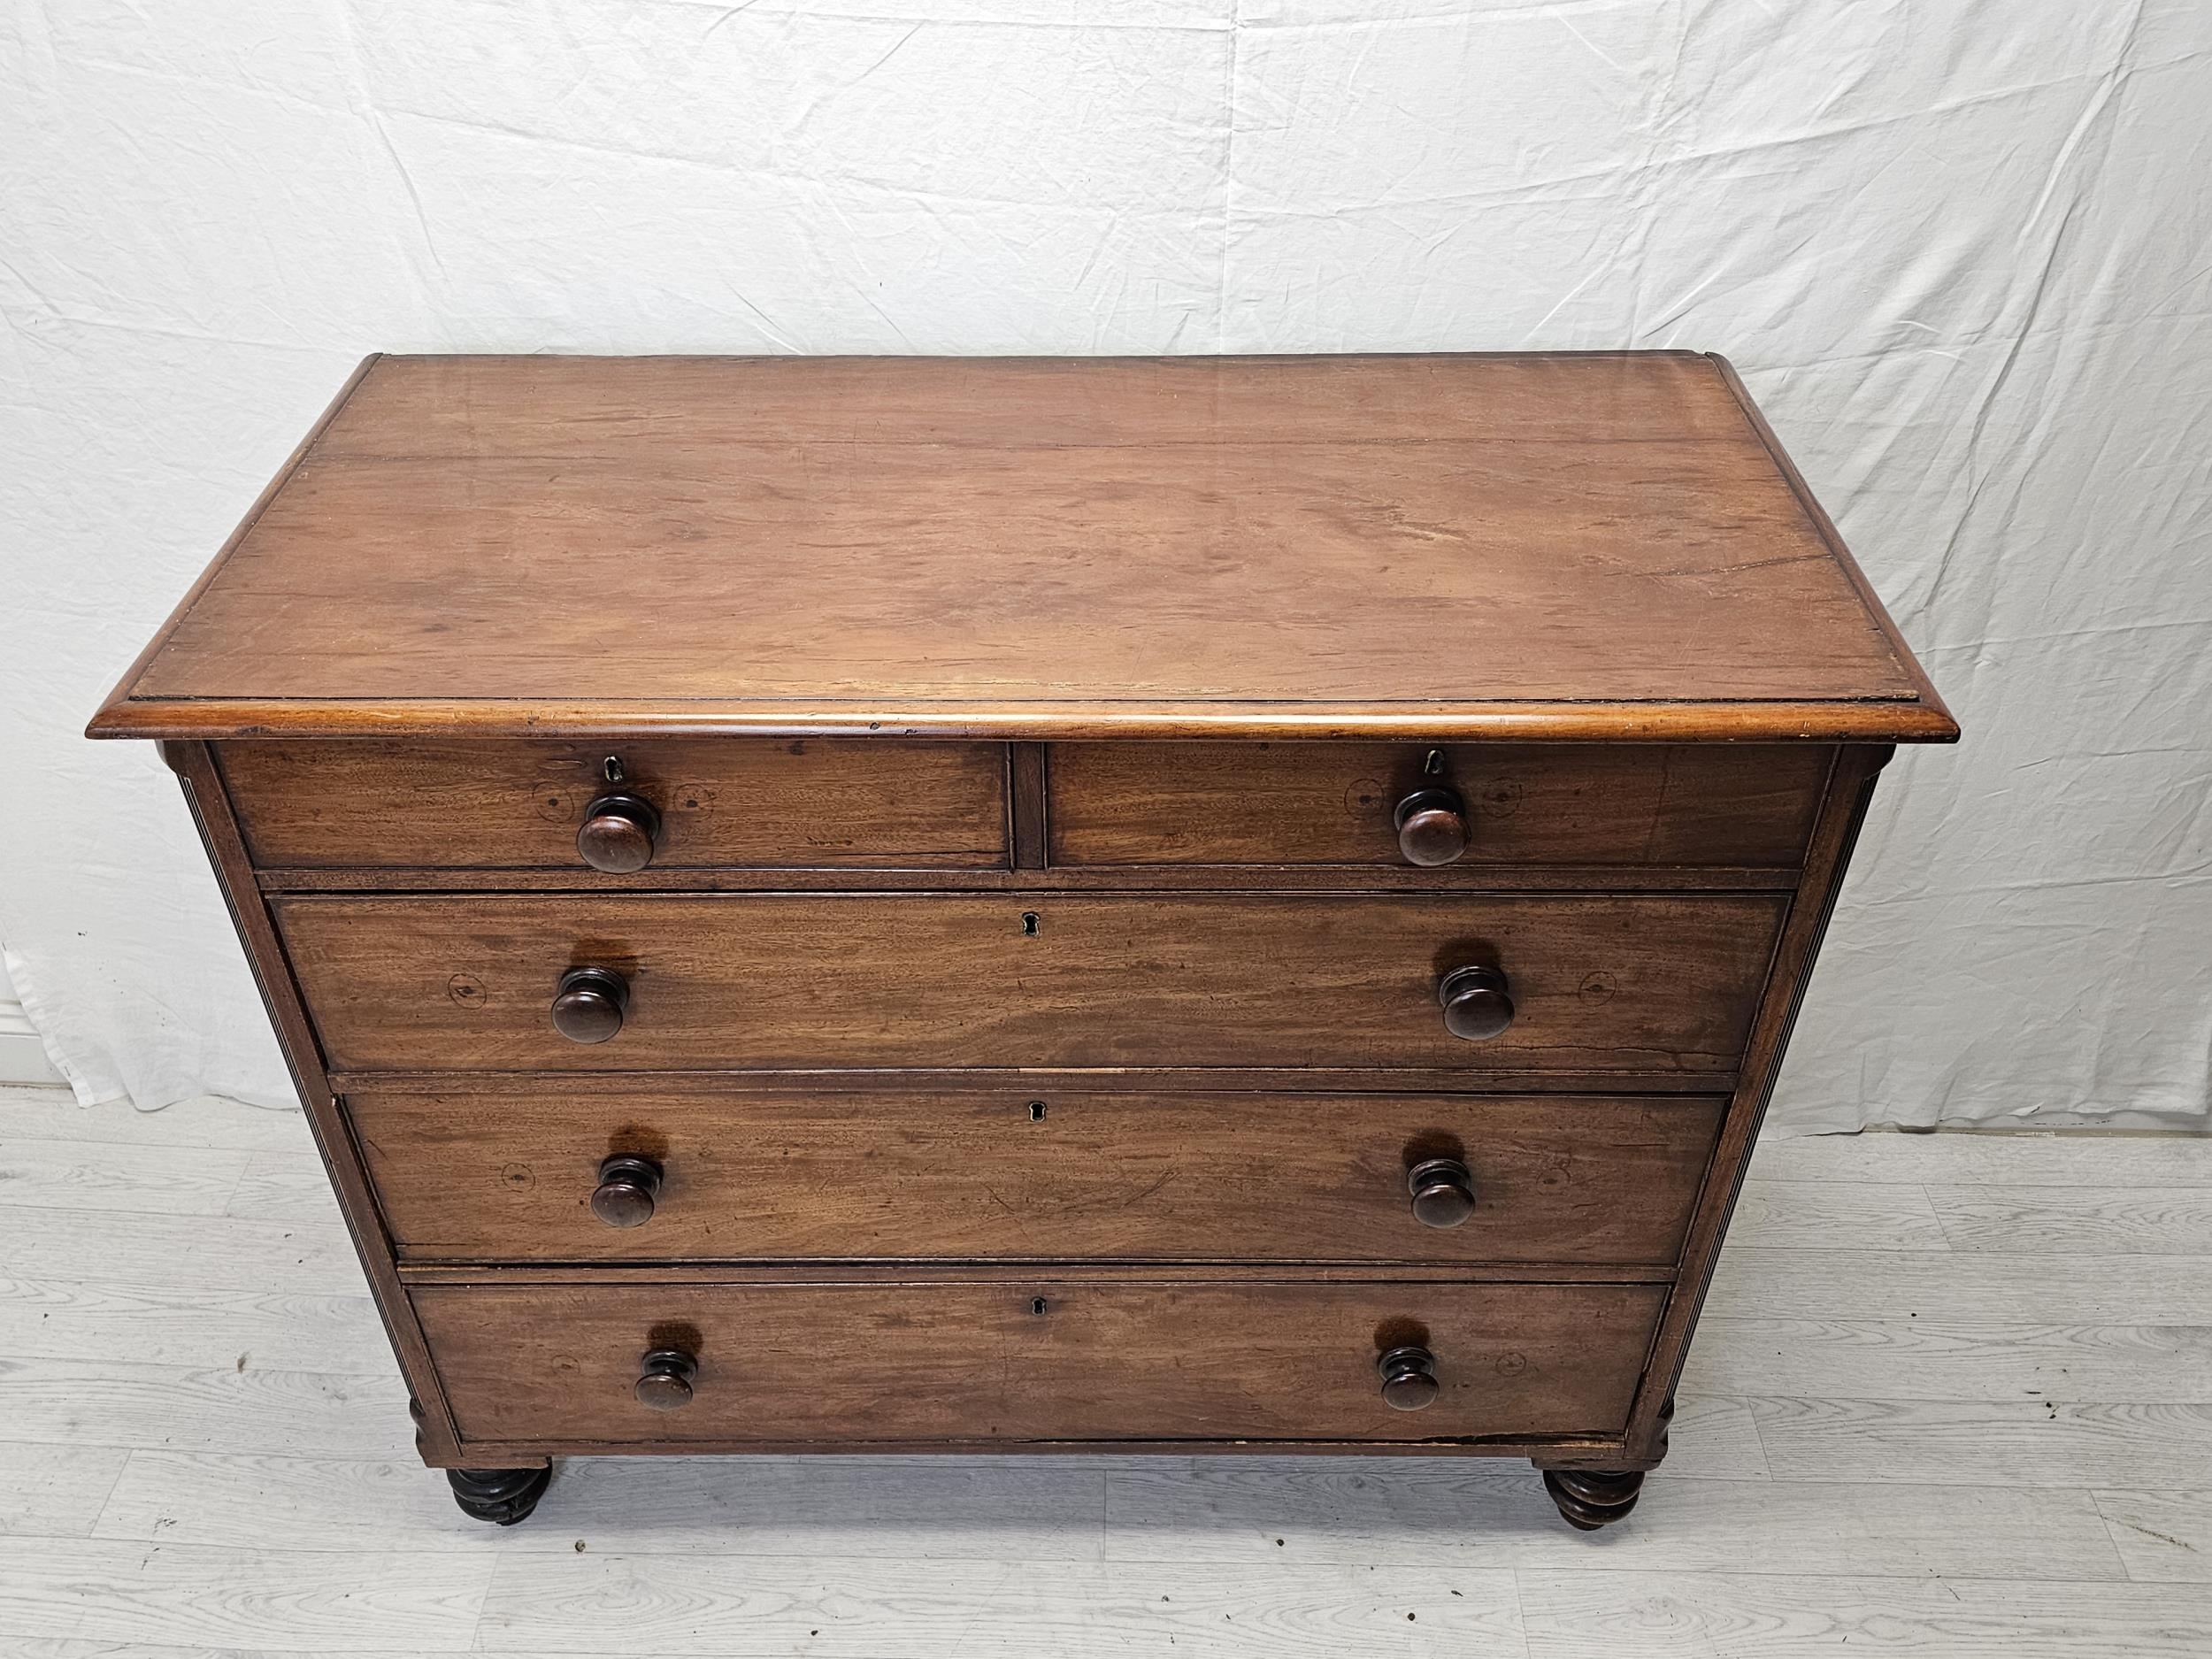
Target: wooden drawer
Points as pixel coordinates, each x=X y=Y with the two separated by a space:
x=1335 y=803
x=1035 y=1359
x=1012 y=1176
x=721 y=804
x=843 y=982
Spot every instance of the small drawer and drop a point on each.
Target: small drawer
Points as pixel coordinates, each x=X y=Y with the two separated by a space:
x=1040 y=1359
x=1019 y=1175
x=1474 y=982
x=619 y=807
x=1456 y=807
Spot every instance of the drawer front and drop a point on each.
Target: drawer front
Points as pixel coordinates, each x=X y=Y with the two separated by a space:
x=1008 y=1176
x=1036 y=1360
x=719 y=804
x=1337 y=804
x=844 y=981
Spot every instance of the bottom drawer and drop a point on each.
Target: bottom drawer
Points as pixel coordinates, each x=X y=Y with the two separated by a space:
x=1035 y=1360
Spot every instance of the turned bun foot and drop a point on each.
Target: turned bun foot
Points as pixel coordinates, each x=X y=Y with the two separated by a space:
x=1590 y=1498
x=502 y=1496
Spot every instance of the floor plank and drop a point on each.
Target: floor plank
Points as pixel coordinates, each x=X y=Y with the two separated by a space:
x=190 y=1252
x=1031 y=1509
x=2163 y=1537
x=1798 y=1216
x=2011 y=1160
x=319 y=1503
x=2028 y=1442
x=1332 y=1511
x=1713 y=1437
x=59 y=1318
x=289 y=1185
x=1753 y=1283
x=96 y=1175
x=54 y=1490
x=1760 y=1616
x=2076 y=1220
x=415 y=1602
x=71 y=1647
x=1953 y=1359
x=287 y=1413
x=921 y=1609
x=211 y=1121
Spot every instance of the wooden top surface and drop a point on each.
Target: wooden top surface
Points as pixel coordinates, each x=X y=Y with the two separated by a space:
x=1569 y=546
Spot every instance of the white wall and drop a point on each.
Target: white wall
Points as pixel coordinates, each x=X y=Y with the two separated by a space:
x=22 y=1056
x=1958 y=247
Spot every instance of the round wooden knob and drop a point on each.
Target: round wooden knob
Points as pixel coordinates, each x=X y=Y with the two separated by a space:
x=1443 y=1191
x=590 y=1003
x=664 y=1379
x=1431 y=827
x=617 y=833
x=1476 y=1002
x=628 y=1187
x=1409 y=1378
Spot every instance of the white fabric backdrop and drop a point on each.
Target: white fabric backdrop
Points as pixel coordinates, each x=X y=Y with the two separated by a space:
x=1961 y=248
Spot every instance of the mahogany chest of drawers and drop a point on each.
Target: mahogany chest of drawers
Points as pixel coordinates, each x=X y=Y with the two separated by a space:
x=1192 y=904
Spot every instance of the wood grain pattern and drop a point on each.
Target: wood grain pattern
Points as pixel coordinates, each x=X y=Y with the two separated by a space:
x=963 y=1608
x=1951 y=1357
x=194 y=1326
x=54 y=1490
x=160 y=1180
x=150 y=1248
x=264 y=1484
x=2013 y=1159
x=1751 y=1614
x=215 y=1122
x=1442 y=539
x=1594 y=586
x=765 y=980
x=120 y=1593
x=1250 y=1360
x=1331 y=803
x=724 y=804
x=1435 y=1514
x=216 y=1407
x=1041 y=1508
x=1840 y=1283
x=2076 y=1220
x=1022 y=1174
x=1828 y=855
x=783 y=1274
x=194 y=765
x=2163 y=1537
x=1574 y=879
x=1864 y=1216
x=2044 y=1442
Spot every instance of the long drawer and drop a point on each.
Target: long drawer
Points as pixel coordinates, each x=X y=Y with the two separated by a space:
x=698 y=803
x=568 y=1175
x=1033 y=1360
x=1338 y=803
x=1649 y=984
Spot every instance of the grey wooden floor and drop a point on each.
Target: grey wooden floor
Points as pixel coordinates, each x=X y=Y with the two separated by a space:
x=1953 y=1397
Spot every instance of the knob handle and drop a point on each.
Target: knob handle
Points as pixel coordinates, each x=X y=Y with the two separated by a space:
x=628 y=1185
x=1476 y=1002
x=1431 y=827
x=1443 y=1191
x=1409 y=1379
x=664 y=1378
x=589 y=1004
x=617 y=833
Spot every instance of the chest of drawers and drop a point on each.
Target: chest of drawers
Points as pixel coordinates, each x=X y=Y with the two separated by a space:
x=1193 y=904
